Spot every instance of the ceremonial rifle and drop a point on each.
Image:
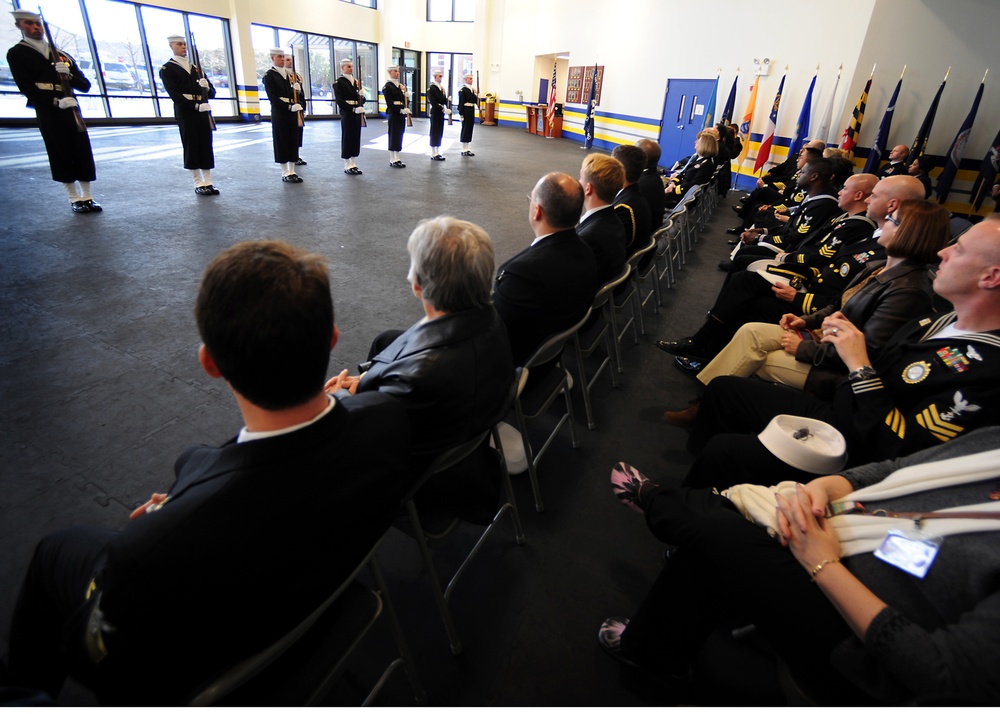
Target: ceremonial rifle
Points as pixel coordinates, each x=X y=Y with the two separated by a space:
x=406 y=104
x=196 y=63
x=478 y=105
x=448 y=107
x=357 y=86
x=295 y=93
x=64 y=81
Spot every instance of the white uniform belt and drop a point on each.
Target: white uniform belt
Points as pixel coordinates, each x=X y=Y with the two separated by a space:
x=469 y=104
x=46 y=86
x=286 y=100
x=192 y=97
x=398 y=104
x=348 y=101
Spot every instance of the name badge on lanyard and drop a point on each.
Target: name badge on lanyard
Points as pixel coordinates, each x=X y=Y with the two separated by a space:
x=909 y=551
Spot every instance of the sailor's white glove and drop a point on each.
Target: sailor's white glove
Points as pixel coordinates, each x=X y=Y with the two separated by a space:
x=406 y=110
x=295 y=108
x=203 y=83
x=359 y=110
x=68 y=103
x=206 y=107
x=296 y=86
x=63 y=69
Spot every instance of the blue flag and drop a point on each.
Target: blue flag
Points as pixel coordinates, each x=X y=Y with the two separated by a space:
x=727 y=113
x=710 y=109
x=802 y=127
x=588 y=126
x=924 y=133
x=954 y=156
x=987 y=174
x=878 y=148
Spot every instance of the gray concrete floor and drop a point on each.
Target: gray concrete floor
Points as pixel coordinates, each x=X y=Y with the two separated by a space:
x=100 y=389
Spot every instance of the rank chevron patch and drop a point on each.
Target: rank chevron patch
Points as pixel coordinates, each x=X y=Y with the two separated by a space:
x=930 y=420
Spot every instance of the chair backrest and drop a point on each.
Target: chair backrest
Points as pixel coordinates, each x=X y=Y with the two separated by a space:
x=241 y=673
x=548 y=351
x=605 y=292
x=637 y=256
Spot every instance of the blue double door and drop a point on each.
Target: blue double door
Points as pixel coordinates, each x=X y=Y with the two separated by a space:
x=684 y=109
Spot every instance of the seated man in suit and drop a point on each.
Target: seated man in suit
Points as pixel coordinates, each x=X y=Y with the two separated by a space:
x=601 y=178
x=549 y=286
x=651 y=184
x=631 y=206
x=253 y=535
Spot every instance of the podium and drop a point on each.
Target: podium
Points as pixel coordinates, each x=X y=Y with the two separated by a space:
x=538 y=122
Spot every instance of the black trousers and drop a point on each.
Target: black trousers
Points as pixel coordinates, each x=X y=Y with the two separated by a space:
x=726 y=569
x=397 y=125
x=46 y=638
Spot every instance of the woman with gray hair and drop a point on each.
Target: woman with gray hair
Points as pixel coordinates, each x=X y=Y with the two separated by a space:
x=453 y=369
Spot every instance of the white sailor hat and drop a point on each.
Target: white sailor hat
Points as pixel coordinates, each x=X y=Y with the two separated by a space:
x=346 y=60
x=277 y=51
x=436 y=71
x=467 y=75
x=806 y=444
x=392 y=67
x=176 y=38
x=287 y=53
x=26 y=15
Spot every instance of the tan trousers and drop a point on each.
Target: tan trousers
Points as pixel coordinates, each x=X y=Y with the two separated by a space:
x=756 y=350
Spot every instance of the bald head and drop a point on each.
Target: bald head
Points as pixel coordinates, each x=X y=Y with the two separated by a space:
x=817 y=144
x=899 y=152
x=890 y=192
x=969 y=276
x=558 y=197
x=652 y=151
x=857 y=188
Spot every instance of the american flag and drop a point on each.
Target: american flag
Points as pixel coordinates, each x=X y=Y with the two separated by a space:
x=552 y=97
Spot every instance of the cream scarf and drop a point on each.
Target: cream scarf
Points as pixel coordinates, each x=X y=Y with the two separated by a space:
x=863 y=533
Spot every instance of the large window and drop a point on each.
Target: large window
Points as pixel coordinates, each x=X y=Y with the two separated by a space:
x=454 y=65
x=451 y=10
x=362 y=3
x=317 y=59
x=120 y=47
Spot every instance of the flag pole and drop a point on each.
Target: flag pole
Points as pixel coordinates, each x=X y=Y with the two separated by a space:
x=903 y=72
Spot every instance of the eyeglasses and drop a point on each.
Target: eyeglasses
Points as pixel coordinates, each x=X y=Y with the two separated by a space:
x=892 y=220
x=530 y=198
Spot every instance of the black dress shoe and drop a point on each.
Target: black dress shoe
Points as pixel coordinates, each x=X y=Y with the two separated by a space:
x=737 y=210
x=353 y=171
x=467 y=153
x=79 y=207
x=94 y=205
x=291 y=178
x=733 y=242
x=437 y=158
x=212 y=190
x=300 y=162
x=397 y=164
x=734 y=231
x=691 y=365
x=682 y=348
x=202 y=191
x=725 y=265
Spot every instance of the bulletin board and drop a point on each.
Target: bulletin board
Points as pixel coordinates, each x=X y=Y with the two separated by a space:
x=579 y=81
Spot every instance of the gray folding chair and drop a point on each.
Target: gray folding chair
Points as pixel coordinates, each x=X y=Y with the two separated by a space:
x=601 y=330
x=427 y=540
x=664 y=257
x=641 y=275
x=530 y=404
x=358 y=610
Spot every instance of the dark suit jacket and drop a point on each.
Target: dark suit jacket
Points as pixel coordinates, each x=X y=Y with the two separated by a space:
x=253 y=537
x=633 y=211
x=605 y=235
x=544 y=289
x=651 y=186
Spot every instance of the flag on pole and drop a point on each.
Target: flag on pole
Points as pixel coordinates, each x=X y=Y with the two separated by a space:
x=987 y=175
x=954 y=156
x=882 y=137
x=920 y=143
x=826 y=118
x=710 y=109
x=727 y=112
x=748 y=120
x=552 y=97
x=802 y=127
x=764 y=152
x=853 y=130
x=588 y=127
